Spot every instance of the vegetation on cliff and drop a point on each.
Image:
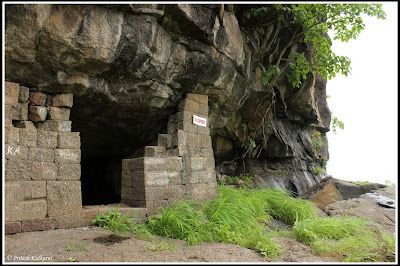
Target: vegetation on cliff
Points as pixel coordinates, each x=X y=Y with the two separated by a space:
x=309 y=23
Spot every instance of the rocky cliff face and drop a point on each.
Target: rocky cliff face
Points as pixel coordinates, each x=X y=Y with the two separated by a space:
x=128 y=67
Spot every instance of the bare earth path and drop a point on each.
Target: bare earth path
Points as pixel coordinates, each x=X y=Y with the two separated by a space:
x=94 y=244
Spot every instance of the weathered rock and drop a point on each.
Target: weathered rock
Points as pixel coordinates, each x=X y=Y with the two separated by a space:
x=347 y=189
x=11 y=93
x=366 y=207
x=323 y=193
x=128 y=68
x=37 y=113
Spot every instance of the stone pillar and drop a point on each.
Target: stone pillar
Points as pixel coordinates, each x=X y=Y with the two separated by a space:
x=42 y=161
x=182 y=165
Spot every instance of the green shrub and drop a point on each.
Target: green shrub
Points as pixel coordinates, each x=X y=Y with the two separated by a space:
x=114 y=221
x=318 y=170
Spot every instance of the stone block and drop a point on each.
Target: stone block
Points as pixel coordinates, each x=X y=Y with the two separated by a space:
x=11 y=135
x=47 y=139
x=207 y=152
x=28 y=138
x=155 y=193
x=187 y=126
x=8 y=113
x=37 y=98
x=173 y=193
x=25 y=125
x=184 y=116
x=20 y=112
x=191 y=177
x=63 y=100
x=69 y=221
x=59 y=113
x=194 y=140
x=153 y=206
x=125 y=164
x=173 y=164
x=154 y=151
x=41 y=155
x=69 y=172
x=55 y=125
x=194 y=151
x=25 y=210
x=130 y=195
x=18 y=170
x=206 y=141
x=67 y=156
x=43 y=224
x=37 y=113
x=189 y=105
x=208 y=163
x=203 y=130
x=11 y=93
x=196 y=191
x=49 y=100
x=132 y=179
x=196 y=164
x=23 y=95
x=16 y=152
x=171 y=128
x=44 y=171
x=12 y=227
x=69 y=140
x=164 y=140
x=200 y=98
x=179 y=138
x=156 y=179
x=18 y=191
x=63 y=197
x=175 y=178
x=212 y=191
x=203 y=110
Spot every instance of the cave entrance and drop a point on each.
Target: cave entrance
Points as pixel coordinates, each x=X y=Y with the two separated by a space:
x=101 y=181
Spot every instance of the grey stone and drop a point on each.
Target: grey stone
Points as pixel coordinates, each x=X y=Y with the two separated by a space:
x=63 y=197
x=37 y=113
x=69 y=172
x=47 y=139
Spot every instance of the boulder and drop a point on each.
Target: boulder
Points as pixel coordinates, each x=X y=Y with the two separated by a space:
x=368 y=208
x=323 y=193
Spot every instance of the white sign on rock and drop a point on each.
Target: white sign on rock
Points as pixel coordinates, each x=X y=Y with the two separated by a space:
x=200 y=121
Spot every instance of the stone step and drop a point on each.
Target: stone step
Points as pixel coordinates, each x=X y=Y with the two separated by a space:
x=138 y=215
x=165 y=140
x=151 y=151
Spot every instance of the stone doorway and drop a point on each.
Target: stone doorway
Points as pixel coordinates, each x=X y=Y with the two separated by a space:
x=101 y=181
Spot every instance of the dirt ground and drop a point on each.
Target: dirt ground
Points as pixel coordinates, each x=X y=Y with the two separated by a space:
x=94 y=244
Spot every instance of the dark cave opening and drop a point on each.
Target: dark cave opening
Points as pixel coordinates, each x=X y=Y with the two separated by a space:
x=101 y=181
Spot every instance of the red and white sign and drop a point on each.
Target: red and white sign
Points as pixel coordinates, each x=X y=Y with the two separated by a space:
x=200 y=121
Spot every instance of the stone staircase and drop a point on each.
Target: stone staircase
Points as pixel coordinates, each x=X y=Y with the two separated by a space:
x=180 y=165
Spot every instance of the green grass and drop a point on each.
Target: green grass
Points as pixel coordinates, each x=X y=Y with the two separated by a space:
x=115 y=222
x=350 y=239
x=75 y=247
x=235 y=216
x=239 y=216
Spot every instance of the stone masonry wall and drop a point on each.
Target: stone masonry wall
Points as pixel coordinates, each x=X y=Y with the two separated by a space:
x=42 y=161
x=181 y=165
